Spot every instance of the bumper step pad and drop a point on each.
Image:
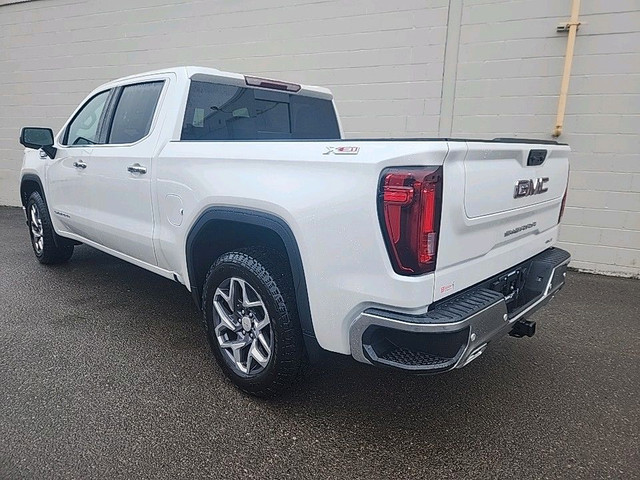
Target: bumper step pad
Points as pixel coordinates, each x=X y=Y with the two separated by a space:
x=404 y=356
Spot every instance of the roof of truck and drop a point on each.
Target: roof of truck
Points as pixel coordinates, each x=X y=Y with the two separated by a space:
x=232 y=78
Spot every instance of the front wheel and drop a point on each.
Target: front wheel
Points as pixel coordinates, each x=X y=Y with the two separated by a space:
x=251 y=320
x=42 y=233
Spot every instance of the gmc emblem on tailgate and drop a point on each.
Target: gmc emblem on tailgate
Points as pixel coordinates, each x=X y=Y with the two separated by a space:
x=533 y=186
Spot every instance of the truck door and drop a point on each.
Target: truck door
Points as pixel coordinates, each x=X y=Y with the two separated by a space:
x=68 y=192
x=121 y=171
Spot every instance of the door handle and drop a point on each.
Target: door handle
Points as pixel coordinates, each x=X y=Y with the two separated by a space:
x=80 y=164
x=137 y=168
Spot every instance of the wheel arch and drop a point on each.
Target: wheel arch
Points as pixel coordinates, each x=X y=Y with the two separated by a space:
x=240 y=226
x=30 y=183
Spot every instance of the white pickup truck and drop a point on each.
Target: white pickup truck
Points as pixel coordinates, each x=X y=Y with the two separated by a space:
x=411 y=253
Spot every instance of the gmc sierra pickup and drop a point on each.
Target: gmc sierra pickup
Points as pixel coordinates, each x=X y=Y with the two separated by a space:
x=413 y=254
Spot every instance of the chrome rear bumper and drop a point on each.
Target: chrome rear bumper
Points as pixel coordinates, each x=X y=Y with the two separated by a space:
x=456 y=330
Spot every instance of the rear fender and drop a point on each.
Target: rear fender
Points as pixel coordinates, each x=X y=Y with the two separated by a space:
x=264 y=220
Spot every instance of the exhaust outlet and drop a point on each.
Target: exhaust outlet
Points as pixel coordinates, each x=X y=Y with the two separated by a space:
x=523 y=328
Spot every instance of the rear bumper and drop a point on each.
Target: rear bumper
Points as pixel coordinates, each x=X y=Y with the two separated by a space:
x=457 y=329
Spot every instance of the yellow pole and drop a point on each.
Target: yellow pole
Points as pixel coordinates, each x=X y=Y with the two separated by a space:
x=568 y=58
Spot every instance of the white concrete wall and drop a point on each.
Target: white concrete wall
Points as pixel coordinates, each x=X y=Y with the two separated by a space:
x=385 y=61
x=509 y=68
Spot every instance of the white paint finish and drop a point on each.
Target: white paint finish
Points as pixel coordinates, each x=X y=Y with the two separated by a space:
x=335 y=214
x=120 y=201
x=173 y=208
x=492 y=171
x=329 y=203
x=67 y=192
x=470 y=249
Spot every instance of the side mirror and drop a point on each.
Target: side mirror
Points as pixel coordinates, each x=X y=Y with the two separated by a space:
x=38 y=137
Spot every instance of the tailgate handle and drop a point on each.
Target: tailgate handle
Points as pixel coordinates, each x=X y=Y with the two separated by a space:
x=536 y=157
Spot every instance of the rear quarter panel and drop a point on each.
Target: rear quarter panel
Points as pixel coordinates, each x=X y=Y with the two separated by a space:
x=328 y=201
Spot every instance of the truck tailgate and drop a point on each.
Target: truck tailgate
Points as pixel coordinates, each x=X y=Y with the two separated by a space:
x=501 y=203
x=491 y=176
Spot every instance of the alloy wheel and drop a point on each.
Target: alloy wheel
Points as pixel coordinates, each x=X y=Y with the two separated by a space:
x=242 y=326
x=37 y=235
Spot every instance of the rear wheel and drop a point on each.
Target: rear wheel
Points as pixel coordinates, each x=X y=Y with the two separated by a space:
x=42 y=233
x=252 y=322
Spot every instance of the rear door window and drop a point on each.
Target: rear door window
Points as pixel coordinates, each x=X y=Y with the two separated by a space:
x=134 y=112
x=227 y=112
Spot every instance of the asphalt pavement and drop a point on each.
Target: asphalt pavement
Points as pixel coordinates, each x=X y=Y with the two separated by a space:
x=105 y=373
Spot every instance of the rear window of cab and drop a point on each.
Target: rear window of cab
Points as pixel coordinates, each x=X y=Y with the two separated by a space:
x=226 y=112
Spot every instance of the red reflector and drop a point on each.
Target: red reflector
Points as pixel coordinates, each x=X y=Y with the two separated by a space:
x=410 y=217
x=273 y=84
x=399 y=195
x=428 y=235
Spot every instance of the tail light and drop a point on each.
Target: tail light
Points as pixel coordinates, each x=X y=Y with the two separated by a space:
x=409 y=207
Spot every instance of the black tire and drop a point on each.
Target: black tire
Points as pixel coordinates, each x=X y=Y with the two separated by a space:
x=43 y=237
x=268 y=274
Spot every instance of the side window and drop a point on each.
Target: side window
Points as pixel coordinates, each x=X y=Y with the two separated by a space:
x=83 y=129
x=134 y=112
x=225 y=112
